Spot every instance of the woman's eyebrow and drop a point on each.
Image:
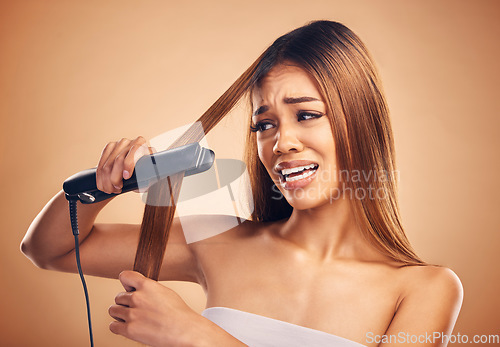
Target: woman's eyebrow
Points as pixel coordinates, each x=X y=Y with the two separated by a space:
x=260 y=110
x=298 y=100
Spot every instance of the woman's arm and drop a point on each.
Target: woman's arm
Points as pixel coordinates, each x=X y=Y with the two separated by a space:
x=105 y=249
x=428 y=311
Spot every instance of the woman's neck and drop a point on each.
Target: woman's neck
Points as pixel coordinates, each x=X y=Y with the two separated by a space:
x=327 y=232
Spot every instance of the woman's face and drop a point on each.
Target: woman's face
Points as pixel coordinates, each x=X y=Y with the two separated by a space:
x=294 y=137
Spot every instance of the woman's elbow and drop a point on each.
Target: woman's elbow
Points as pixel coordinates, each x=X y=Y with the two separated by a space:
x=30 y=252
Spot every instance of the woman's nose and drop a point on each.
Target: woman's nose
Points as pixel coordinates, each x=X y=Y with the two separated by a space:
x=287 y=140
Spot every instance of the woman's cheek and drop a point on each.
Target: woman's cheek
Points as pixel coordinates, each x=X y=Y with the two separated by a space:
x=265 y=152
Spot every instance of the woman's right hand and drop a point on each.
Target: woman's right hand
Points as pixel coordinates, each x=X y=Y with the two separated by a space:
x=118 y=161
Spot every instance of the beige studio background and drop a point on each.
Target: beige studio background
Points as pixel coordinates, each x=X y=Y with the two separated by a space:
x=75 y=75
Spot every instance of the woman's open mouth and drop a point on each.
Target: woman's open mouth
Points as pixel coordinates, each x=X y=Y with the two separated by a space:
x=298 y=177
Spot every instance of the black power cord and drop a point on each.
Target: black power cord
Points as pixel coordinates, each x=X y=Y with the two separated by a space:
x=74 y=226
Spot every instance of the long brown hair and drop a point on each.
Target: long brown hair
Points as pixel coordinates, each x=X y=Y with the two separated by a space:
x=348 y=81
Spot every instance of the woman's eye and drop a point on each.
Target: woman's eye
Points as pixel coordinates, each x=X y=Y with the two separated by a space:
x=308 y=115
x=260 y=126
x=301 y=116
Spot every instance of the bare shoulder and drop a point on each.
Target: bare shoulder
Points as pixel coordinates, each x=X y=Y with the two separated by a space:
x=430 y=301
x=432 y=280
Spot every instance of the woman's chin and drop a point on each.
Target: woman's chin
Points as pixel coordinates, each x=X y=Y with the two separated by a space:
x=305 y=199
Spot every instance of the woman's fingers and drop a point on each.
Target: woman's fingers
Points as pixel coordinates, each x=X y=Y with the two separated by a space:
x=106 y=166
x=118 y=328
x=132 y=280
x=124 y=299
x=119 y=312
x=106 y=152
x=135 y=152
x=114 y=162
x=126 y=159
x=124 y=329
x=116 y=174
x=116 y=158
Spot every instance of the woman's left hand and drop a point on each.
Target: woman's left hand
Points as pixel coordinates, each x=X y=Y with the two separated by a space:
x=151 y=313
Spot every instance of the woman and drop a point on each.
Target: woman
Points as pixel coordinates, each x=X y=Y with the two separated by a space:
x=325 y=262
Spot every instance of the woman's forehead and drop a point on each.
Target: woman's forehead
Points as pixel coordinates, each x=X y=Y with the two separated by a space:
x=285 y=81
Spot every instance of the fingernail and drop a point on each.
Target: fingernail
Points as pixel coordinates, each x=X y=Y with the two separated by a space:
x=126 y=174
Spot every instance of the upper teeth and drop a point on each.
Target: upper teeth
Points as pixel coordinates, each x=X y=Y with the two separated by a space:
x=296 y=169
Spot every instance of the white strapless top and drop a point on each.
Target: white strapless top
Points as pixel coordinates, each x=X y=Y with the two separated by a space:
x=259 y=331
